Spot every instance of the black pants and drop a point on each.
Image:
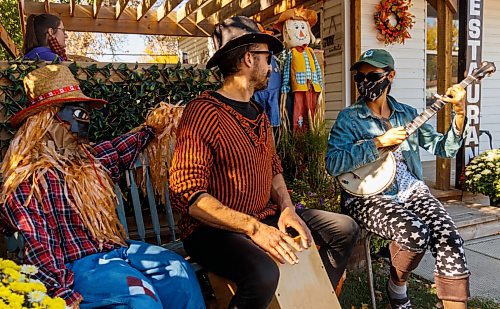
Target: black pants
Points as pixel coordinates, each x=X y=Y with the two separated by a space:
x=238 y=258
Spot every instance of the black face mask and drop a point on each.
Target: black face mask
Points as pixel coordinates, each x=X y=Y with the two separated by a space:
x=370 y=91
x=77 y=116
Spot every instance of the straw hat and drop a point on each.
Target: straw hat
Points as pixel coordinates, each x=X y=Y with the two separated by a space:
x=297 y=14
x=51 y=85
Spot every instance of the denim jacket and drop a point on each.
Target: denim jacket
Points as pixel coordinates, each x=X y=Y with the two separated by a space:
x=351 y=145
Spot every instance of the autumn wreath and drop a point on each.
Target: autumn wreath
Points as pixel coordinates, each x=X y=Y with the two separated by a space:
x=389 y=32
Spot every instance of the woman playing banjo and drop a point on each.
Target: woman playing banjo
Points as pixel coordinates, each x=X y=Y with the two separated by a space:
x=405 y=212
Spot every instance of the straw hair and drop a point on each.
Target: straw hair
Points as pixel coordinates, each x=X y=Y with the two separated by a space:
x=164 y=118
x=42 y=81
x=34 y=152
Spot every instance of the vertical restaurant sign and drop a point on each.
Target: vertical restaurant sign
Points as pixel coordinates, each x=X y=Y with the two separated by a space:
x=473 y=61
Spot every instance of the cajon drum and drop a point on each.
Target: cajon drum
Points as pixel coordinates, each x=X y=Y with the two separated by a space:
x=303 y=285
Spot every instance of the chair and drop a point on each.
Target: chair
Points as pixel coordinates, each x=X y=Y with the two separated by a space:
x=369 y=268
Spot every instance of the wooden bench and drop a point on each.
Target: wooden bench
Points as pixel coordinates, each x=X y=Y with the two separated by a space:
x=310 y=271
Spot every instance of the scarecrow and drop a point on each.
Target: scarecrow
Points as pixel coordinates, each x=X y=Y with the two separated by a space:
x=58 y=194
x=269 y=98
x=302 y=73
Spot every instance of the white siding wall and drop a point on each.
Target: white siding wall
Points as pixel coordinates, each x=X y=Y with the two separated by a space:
x=196 y=48
x=335 y=85
x=490 y=102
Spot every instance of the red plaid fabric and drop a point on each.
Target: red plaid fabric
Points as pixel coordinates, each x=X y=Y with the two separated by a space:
x=53 y=230
x=56 y=48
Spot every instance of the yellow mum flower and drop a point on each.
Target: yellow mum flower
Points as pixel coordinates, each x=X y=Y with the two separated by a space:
x=12 y=273
x=8 y=264
x=56 y=303
x=15 y=300
x=4 y=292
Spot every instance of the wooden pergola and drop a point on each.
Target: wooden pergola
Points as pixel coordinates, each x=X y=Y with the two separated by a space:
x=193 y=18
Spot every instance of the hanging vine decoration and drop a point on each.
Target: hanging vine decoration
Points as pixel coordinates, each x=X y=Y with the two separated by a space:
x=391 y=33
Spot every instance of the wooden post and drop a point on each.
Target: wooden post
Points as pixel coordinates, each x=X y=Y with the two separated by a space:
x=444 y=67
x=355 y=40
x=7 y=42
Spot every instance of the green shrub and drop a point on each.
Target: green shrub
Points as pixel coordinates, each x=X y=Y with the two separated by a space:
x=303 y=160
x=482 y=175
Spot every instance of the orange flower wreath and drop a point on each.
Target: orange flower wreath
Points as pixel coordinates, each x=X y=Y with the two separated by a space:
x=389 y=33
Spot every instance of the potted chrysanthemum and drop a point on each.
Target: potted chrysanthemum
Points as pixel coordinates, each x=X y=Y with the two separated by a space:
x=19 y=290
x=482 y=175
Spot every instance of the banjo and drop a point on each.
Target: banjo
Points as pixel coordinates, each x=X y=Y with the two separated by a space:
x=375 y=177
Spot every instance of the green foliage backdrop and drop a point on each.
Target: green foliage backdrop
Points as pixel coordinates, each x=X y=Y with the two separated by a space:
x=131 y=91
x=9 y=18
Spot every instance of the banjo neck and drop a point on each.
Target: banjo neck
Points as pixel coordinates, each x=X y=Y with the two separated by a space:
x=429 y=112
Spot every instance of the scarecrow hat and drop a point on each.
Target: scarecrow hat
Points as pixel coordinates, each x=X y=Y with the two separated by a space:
x=239 y=31
x=297 y=14
x=51 y=85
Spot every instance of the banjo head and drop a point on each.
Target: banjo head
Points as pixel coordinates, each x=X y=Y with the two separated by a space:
x=370 y=179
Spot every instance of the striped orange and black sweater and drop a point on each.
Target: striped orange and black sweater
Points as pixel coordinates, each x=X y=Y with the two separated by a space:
x=220 y=152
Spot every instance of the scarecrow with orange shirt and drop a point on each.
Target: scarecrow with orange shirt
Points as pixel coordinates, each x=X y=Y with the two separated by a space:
x=302 y=73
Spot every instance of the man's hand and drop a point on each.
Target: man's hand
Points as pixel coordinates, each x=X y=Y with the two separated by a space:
x=394 y=136
x=456 y=95
x=289 y=218
x=276 y=243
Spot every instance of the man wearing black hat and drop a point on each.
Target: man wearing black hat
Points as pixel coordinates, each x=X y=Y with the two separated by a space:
x=226 y=178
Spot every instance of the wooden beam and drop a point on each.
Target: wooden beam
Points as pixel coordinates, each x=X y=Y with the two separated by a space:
x=211 y=8
x=107 y=23
x=144 y=7
x=444 y=79
x=271 y=18
x=22 y=15
x=205 y=27
x=167 y=8
x=271 y=12
x=96 y=7
x=238 y=7
x=355 y=20
x=7 y=42
x=120 y=7
x=452 y=5
x=72 y=5
x=433 y=3
x=188 y=8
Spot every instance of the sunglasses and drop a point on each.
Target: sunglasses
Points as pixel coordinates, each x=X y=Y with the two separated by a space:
x=371 y=77
x=267 y=52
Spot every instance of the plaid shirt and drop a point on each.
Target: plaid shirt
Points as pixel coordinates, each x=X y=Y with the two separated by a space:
x=53 y=231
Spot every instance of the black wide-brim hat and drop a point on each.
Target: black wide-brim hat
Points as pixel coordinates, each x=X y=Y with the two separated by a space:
x=238 y=31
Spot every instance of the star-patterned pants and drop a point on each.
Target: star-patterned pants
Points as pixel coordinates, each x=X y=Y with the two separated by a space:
x=419 y=223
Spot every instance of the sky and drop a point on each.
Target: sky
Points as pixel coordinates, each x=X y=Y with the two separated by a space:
x=133 y=45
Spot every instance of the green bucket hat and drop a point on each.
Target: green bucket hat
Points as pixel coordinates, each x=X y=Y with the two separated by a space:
x=379 y=58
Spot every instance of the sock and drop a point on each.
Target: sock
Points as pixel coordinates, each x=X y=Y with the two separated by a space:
x=396 y=291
